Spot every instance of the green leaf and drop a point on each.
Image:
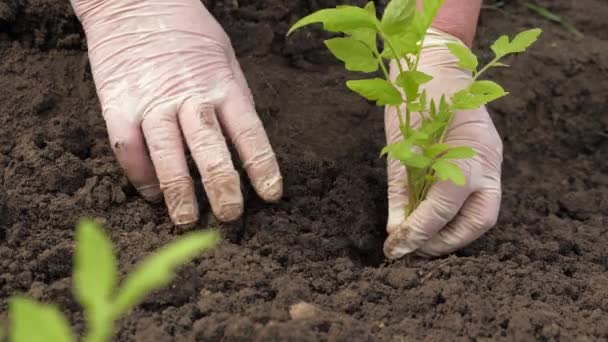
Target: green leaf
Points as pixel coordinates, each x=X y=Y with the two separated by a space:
x=423 y=19
x=434 y=150
x=417 y=137
x=393 y=147
x=356 y=55
x=525 y=39
x=429 y=12
x=466 y=59
x=36 y=322
x=365 y=35
x=404 y=44
x=433 y=127
x=449 y=171
x=340 y=19
x=376 y=89
x=397 y=16
x=501 y=46
x=478 y=94
x=95 y=270
x=459 y=152
x=520 y=43
x=433 y=110
x=159 y=269
x=402 y=151
x=370 y=7
x=95 y=274
x=422 y=100
x=417 y=161
x=411 y=81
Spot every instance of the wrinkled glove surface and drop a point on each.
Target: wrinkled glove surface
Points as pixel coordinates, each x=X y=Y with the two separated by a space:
x=167 y=78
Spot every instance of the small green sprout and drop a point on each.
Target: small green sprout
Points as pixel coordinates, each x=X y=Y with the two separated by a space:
x=403 y=28
x=545 y=13
x=95 y=285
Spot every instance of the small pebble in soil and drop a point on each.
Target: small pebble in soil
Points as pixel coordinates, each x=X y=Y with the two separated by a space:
x=304 y=310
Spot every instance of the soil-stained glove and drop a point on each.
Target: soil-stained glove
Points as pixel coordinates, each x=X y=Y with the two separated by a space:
x=451 y=216
x=165 y=71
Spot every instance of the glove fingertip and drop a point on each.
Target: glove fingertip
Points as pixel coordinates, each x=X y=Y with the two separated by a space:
x=398 y=245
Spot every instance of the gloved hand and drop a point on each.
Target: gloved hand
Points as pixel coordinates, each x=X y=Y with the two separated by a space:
x=166 y=69
x=451 y=216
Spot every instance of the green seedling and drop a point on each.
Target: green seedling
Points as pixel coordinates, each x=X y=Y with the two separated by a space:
x=402 y=28
x=95 y=286
x=545 y=13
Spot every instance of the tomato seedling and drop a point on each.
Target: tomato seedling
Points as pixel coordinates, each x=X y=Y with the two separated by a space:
x=402 y=29
x=95 y=286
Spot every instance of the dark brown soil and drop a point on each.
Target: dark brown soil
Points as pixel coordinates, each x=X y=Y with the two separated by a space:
x=541 y=274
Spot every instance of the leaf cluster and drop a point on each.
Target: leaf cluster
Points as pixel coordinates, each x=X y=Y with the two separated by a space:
x=95 y=284
x=403 y=29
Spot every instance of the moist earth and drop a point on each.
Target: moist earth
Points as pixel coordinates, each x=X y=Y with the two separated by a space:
x=541 y=274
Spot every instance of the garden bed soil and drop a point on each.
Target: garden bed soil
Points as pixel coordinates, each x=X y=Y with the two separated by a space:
x=541 y=274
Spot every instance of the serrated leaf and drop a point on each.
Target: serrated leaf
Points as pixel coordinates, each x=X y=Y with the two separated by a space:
x=159 y=269
x=411 y=81
x=449 y=171
x=466 y=59
x=376 y=89
x=459 y=152
x=36 y=322
x=356 y=55
x=340 y=19
x=95 y=273
x=520 y=43
x=434 y=150
x=524 y=40
x=478 y=94
x=501 y=46
x=397 y=16
x=404 y=44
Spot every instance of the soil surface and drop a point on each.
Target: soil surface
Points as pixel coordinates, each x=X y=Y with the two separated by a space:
x=541 y=274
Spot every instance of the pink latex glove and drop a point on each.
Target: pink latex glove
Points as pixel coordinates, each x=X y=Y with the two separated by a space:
x=165 y=71
x=451 y=216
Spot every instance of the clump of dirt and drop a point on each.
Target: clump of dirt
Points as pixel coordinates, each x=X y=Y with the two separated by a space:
x=541 y=274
